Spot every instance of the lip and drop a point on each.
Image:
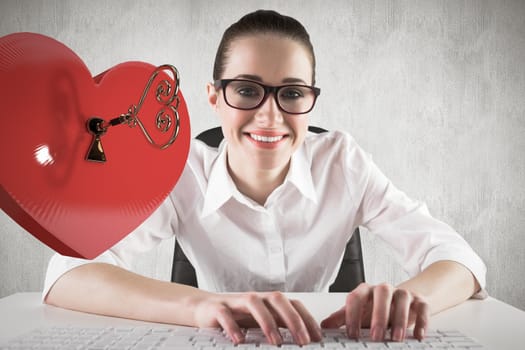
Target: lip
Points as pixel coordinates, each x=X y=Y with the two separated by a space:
x=267 y=133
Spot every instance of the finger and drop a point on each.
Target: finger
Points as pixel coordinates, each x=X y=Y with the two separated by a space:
x=309 y=321
x=355 y=303
x=399 y=314
x=263 y=317
x=382 y=300
x=422 y=311
x=335 y=320
x=290 y=316
x=227 y=322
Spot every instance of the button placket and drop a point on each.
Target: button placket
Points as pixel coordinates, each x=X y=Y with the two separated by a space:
x=275 y=249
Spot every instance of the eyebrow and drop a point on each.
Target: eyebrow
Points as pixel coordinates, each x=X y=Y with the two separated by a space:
x=289 y=80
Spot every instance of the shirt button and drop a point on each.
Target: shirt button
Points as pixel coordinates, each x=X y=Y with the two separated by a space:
x=275 y=249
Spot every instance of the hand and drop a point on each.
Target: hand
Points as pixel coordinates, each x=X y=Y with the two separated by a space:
x=269 y=311
x=381 y=307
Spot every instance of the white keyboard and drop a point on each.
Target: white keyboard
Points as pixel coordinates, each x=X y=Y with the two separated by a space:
x=175 y=338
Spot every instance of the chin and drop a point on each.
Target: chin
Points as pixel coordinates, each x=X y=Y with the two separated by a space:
x=272 y=162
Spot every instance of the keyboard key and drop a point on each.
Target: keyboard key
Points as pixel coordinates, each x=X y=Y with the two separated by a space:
x=376 y=346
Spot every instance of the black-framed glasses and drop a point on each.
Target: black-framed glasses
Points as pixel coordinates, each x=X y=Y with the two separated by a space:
x=248 y=94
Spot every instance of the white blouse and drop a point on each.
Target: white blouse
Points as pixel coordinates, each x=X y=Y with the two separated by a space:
x=295 y=242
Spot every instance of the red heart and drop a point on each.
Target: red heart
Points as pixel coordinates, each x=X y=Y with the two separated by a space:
x=78 y=207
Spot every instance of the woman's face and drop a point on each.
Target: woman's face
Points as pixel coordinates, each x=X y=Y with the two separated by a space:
x=271 y=60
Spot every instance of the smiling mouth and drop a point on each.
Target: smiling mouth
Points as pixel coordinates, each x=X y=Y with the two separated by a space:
x=267 y=139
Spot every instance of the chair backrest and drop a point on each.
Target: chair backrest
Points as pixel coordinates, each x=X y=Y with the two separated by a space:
x=350 y=275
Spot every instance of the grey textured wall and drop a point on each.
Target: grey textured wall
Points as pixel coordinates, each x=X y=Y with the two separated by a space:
x=435 y=90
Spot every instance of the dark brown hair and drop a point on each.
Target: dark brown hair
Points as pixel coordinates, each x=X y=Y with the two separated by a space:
x=262 y=22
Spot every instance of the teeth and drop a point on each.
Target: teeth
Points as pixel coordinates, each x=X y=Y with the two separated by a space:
x=266 y=138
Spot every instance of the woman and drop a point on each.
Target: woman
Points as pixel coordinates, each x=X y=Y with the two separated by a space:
x=251 y=215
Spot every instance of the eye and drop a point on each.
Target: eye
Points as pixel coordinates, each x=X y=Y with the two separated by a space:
x=291 y=93
x=247 y=90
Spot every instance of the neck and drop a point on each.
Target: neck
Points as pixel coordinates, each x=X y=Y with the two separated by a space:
x=256 y=183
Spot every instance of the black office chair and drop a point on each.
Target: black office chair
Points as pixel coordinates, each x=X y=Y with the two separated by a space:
x=350 y=275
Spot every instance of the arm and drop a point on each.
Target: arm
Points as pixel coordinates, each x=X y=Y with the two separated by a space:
x=443 y=284
x=110 y=290
x=426 y=248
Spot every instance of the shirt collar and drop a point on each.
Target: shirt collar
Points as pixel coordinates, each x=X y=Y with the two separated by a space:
x=300 y=174
x=221 y=186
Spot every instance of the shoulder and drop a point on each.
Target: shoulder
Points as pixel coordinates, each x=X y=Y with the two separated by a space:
x=329 y=139
x=335 y=146
x=201 y=157
x=194 y=179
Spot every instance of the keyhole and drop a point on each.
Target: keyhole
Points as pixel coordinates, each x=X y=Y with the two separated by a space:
x=96 y=151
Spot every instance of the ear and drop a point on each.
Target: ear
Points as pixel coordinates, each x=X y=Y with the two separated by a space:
x=213 y=96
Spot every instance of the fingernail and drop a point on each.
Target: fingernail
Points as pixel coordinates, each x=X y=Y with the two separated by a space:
x=377 y=333
x=303 y=336
x=238 y=337
x=421 y=333
x=276 y=337
x=352 y=332
x=397 y=334
x=319 y=334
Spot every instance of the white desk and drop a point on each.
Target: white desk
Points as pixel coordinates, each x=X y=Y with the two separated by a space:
x=493 y=323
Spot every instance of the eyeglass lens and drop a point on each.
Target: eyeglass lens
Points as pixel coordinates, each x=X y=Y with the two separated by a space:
x=248 y=95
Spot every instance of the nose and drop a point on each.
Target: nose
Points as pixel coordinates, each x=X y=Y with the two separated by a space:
x=269 y=114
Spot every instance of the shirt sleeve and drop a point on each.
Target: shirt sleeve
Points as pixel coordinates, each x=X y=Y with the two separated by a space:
x=406 y=225
x=159 y=226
